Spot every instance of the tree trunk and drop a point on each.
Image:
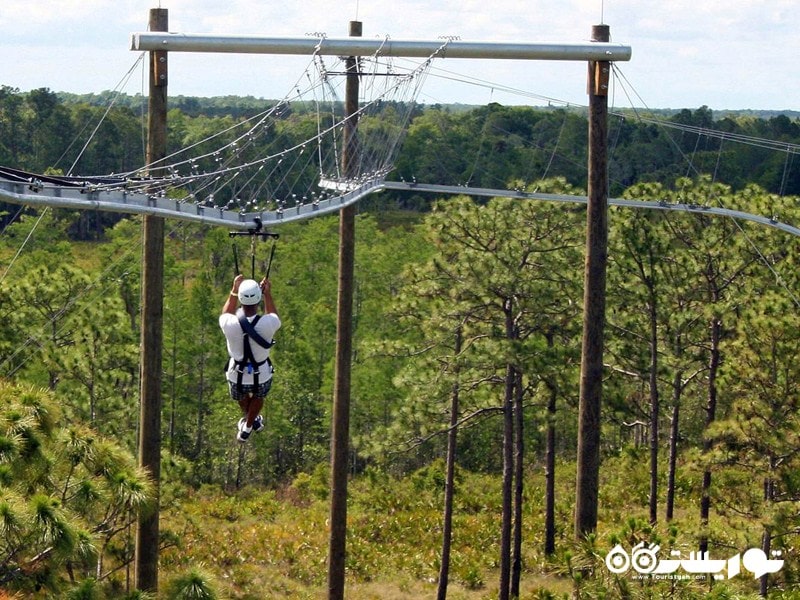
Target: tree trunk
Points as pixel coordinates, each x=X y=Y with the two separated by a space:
x=516 y=563
x=449 y=489
x=711 y=415
x=654 y=410
x=766 y=547
x=550 y=466
x=173 y=388
x=508 y=464
x=550 y=477
x=766 y=536
x=673 y=442
x=92 y=395
x=201 y=398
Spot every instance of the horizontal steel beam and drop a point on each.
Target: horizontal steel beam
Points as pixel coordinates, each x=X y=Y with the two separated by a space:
x=194 y=42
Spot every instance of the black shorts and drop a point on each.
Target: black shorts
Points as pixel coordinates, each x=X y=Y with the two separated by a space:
x=249 y=390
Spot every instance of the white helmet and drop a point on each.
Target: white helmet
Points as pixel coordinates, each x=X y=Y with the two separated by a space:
x=249 y=292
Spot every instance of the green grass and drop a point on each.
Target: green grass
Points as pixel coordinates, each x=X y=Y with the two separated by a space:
x=260 y=544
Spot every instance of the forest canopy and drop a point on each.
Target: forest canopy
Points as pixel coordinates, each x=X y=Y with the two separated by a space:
x=466 y=312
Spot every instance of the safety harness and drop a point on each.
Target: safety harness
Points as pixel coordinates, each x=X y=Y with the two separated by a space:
x=249 y=362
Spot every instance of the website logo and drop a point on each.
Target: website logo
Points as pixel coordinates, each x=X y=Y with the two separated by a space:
x=644 y=561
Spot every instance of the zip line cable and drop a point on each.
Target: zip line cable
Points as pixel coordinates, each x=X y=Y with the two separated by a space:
x=555 y=146
x=24 y=243
x=36 y=336
x=787 y=165
x=92 y=291
x=230 y=159
x=117 y=91
x=11 y=221
x=450 y=75
x=378 y=154
x=788 y=148
x=143 y=112
x=227 y=156
x=763 y=259
x=781 y=146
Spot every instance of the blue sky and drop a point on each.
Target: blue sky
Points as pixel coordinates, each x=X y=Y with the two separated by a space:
x=737 y=54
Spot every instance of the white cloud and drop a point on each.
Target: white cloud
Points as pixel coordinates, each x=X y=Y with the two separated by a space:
x=685 y=53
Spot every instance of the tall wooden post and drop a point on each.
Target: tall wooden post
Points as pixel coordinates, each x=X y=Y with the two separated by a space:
x=147 y=531
x=340 y=428
x=594 y=296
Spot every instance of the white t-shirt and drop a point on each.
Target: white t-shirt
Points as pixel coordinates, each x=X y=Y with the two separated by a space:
x=267 y=326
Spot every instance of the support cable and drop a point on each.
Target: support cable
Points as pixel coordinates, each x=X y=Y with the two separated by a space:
x=24 y=243
x=118 y=90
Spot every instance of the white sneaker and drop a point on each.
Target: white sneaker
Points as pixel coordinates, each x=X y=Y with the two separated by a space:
x=244 y=430
x=258 y=424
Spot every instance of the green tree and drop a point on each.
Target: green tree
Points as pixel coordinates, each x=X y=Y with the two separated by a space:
x=49 y=127
x=497 y=277
x=99 y=370
x=46 y=300
x=716 y=256
x=646 y=297
x=758 y=441
x=67 y=497
x=11 y=125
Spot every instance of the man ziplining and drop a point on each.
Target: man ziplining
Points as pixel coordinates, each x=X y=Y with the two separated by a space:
x=249 y=336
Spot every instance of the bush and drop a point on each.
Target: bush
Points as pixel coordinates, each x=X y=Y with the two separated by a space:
x=194 y=585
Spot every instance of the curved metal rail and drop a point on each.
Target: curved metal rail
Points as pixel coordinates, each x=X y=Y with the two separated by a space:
x=653 y=205
x=35 y=192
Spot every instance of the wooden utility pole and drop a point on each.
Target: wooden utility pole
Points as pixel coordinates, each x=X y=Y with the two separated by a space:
x=147 y=531
x=340 y=427
x=594 y=296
